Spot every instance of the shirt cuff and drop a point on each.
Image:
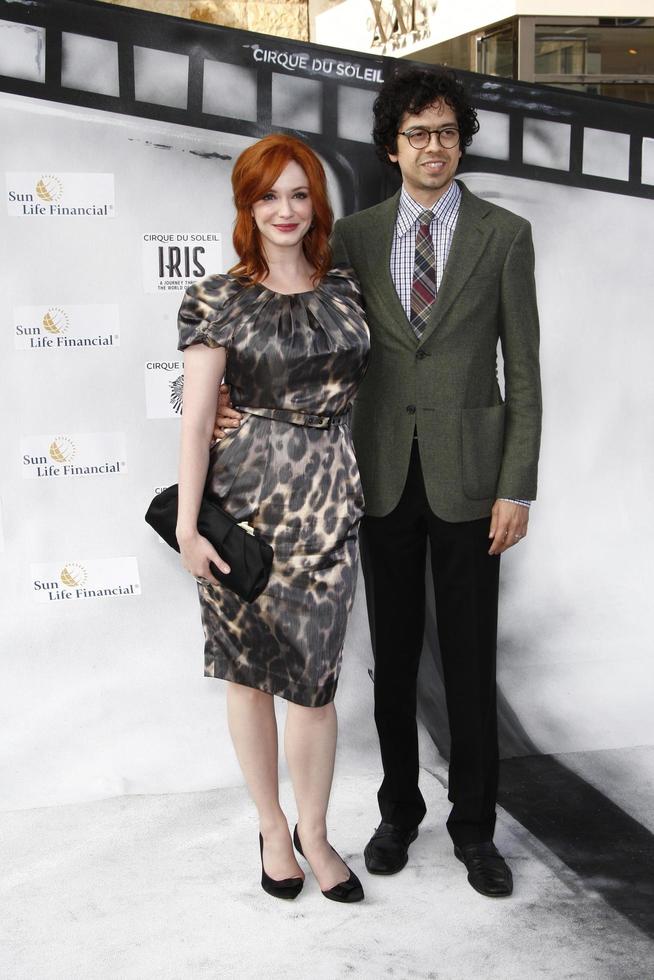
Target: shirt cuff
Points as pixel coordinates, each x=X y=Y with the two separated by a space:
x=513 y=500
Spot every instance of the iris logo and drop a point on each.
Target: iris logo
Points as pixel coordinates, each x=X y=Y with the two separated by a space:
x=73 y=575
x=55 y=320
x=49 y=188
x=62 y=449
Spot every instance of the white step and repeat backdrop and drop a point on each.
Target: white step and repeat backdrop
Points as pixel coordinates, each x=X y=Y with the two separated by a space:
x=119 y=134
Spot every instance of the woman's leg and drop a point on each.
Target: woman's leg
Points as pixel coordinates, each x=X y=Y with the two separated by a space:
x=252 y=725
x=310 y=744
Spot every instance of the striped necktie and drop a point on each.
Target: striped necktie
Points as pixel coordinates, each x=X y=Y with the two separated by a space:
x=423 y=288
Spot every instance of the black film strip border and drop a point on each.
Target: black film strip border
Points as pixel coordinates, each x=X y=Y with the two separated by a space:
x=129 y=28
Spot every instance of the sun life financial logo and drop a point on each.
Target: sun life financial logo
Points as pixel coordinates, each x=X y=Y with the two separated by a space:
x=94 y=578
x=73 y=575
x=49 y=188
x=55 y=320
x=81 y=454
x=62 y=450
x=60 y=195
x=58 y=327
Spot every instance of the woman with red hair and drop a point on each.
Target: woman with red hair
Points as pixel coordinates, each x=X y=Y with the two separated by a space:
x=289 y=335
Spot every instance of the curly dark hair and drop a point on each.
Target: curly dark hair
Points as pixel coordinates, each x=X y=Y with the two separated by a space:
x=410 y=90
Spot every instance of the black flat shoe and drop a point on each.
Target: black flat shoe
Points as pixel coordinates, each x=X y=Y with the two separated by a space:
x=488 y=872
x=387 y=851
x=345 y=891
x=286 y=888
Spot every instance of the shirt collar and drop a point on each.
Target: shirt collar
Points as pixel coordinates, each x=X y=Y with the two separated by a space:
x=445 y=210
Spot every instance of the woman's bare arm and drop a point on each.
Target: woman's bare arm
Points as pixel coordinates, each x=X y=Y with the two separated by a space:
x=203 y=369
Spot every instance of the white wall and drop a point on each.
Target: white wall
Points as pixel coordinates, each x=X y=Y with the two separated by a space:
x=575 y=645
x=105 y=696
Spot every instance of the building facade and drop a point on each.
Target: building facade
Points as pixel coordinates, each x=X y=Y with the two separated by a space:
x=283 y=18
x=596 y=46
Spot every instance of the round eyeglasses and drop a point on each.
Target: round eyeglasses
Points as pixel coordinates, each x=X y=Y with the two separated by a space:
x=419 y=138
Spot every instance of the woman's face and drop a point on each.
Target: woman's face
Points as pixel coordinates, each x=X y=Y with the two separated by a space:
x=283 y=214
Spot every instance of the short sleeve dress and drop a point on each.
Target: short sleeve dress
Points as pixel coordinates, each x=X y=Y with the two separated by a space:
x=298 y=486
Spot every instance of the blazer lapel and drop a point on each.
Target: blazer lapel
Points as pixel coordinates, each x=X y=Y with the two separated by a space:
x=380 y=241
x=468 y=244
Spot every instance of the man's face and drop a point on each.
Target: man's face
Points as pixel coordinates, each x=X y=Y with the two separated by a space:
x=427 y=173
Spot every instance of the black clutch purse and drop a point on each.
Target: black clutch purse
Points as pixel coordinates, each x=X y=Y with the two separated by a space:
x=249 y=558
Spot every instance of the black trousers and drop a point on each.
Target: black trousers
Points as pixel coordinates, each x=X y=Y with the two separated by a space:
x=466 y=578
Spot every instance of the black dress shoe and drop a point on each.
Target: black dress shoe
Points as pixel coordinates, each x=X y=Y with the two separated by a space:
x=387 y=851
x=348 y=891
x=488 y=872
x=284 y=888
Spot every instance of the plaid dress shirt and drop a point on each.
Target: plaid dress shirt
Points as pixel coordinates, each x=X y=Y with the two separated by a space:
x=403 y=249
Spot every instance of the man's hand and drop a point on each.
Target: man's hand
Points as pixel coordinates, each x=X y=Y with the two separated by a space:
x=226 y=416
x=508 y=525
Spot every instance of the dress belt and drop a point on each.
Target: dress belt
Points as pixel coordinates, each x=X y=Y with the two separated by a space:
x=298 y=418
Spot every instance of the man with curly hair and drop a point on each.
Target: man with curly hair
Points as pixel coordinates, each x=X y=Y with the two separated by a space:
x=446 y=462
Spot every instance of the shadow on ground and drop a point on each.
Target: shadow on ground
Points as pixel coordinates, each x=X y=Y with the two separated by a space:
x=610 y=851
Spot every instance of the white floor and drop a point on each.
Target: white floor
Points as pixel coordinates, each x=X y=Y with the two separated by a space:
x=167 y=887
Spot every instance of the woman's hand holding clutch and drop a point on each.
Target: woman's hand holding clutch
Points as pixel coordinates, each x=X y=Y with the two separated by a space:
x=197 y=554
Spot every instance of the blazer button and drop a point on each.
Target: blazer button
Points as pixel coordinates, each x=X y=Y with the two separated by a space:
x=420 y=354
x=411 y=409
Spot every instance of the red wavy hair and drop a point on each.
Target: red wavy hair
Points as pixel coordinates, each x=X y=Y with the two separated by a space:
x=255 y=172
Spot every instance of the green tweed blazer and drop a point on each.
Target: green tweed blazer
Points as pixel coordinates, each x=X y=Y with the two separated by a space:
x=474 y=446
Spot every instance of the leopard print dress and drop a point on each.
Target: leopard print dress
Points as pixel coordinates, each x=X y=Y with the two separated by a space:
x=297 y=486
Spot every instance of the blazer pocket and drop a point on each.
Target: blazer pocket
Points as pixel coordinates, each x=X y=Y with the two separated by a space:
x=482 y=442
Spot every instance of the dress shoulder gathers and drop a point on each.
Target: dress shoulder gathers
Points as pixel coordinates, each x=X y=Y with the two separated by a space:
x=204 y=316
x=213 y=307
